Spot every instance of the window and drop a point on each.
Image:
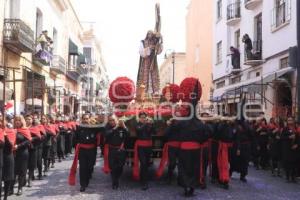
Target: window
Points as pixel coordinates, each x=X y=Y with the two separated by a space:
x=284 y=62
x=87 y=52
x=73 y=61
x=219 y=9
x=220 y=84
x=281 y=14
x=257 y=74
x=235 y=80
x=237 y=36
x=219 y=52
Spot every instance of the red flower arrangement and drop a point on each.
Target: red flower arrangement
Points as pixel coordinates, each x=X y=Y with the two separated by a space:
x=187 y=89
x=174 y=90
x=121 y=90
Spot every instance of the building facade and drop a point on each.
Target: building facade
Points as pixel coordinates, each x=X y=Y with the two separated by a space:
x=199 y=25
x=253 y=44
x=42 y=56
x=173 y=65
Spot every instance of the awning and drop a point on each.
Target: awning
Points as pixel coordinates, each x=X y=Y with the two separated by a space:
x=277 y=74
x=8 y=92
x=73 y=48
x=36 y=102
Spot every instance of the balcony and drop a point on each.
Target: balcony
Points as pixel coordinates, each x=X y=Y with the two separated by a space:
x=233 y=13
x=281 y=15
x=76 y=72
x=58 y=65
x=17 y=36
x=252 y=4
x=43 y=54
x=254 y=57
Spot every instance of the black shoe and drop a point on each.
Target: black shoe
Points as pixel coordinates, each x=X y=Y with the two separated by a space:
x=52 y=166
x=243 y=179
x=186 y=192
x=20 y=192
x=145 y=187
x=82 y=189
x=203 y=186
x=29 y=185
x=226 y=186
x=33 y=178
x=191 y=192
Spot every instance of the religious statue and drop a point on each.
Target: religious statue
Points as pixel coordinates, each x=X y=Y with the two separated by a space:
x=150 y=47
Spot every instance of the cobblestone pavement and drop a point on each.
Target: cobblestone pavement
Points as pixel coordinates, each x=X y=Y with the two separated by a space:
x=261 y=185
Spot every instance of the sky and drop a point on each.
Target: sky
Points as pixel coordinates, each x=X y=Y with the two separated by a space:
x=120 y=25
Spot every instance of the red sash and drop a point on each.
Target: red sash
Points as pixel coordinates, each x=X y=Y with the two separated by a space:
x=25 y=132
x=1 y=135
x=136 y=169
x=165 y=157
x=106 y=169
x=222 y=161
x=36 y=131
x=11 y=136
x=195 y=146
x=72 y=175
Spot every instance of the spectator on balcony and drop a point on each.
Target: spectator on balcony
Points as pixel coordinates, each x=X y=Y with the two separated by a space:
x=235 y=57
x=248 y=46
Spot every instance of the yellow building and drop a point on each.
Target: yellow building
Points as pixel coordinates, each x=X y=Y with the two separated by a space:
x=199 y=25
x=42 y=55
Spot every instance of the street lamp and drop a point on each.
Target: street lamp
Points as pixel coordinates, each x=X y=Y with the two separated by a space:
x=173 y=61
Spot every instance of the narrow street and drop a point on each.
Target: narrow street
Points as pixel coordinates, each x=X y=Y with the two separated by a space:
x=261 y=185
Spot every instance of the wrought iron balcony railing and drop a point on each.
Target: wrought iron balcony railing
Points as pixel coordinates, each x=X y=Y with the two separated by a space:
x=254 y=56
x=58 y=64
x=18 y=36
x=234 y=11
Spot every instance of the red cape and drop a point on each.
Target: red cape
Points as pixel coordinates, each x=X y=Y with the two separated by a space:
x=25 y=132
x=35 y=131
x=50 y=129
x=11 y=136
x=1 y=135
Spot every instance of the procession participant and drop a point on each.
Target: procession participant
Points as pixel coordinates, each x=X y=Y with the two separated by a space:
x=47 y=143
x=143 y=150
x=290 y=150
x=241 y=151
x=275 y=145
x=23 y=142
x=68 y=136
x=35 y=142
x=54 y=144
x=170 y=149
x=85 y=141
x=8 y=160
x=221 y=145
x=40 y=150
x=115 y=136
x=254 y=145
x=101 y=140
x=61 y=138
x=263 y=139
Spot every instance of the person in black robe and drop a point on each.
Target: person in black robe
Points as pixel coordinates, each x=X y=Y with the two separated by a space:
x=275 y=146
x=8 y=161
x=290 y=150
x=61 y=140
x=263 y=140
x=85 y=139
x=23 y=142
x=47 y=142
x=241 y=151
x=221 y=146
x=35 y=142
x=143 y=149
x=115 y=136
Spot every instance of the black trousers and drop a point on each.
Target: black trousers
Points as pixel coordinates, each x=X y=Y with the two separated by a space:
x=68 y=143
x=46 y=156
x=86 y=165
x=173 y=160
x=144 y=157
x=39 y=152
x=116 y=160
x=60 y=146
x=214 y=161
x=189 y=168
x=290 y=168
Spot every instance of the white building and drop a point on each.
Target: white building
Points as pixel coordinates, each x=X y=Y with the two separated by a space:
x=265 y=76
